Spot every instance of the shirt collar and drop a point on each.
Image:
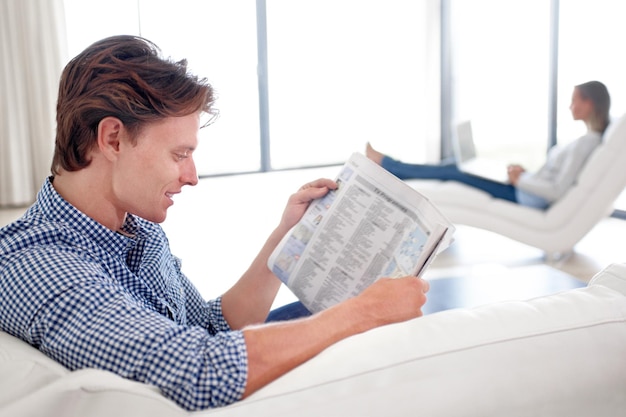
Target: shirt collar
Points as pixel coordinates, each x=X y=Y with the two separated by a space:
x=58 y=210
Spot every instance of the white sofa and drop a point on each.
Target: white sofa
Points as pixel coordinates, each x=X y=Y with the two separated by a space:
x=557 y=229
x=559 y=355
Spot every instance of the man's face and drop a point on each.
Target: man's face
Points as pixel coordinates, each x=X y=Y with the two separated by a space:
x=148 y=174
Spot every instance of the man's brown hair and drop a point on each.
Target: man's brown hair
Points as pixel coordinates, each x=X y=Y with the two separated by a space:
x=124 y=77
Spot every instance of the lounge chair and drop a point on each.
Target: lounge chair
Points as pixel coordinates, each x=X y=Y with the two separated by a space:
x=557 y=229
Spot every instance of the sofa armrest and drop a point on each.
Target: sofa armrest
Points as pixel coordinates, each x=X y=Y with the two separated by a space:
x=559 y=355
x=613 y=276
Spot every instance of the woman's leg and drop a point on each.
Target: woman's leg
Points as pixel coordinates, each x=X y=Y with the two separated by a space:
x=406 y=171
x=448 y=172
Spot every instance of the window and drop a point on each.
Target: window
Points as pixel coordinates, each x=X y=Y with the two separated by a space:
x=500 y=76
x=344 y=72
x=114 y=17
x=339 y=73
x=590 y=34
x=590 y=37
x=218 y=39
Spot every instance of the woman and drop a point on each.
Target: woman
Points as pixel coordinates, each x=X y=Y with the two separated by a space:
x=590 y=103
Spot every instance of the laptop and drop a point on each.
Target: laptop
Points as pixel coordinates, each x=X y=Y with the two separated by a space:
x=470 y=163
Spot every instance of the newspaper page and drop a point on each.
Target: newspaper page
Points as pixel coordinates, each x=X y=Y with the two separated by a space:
x=373 y=225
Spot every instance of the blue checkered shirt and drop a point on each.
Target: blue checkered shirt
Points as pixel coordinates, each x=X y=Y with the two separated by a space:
x=90 y=297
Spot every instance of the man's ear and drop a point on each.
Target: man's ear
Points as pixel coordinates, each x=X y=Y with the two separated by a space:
x=110 y=131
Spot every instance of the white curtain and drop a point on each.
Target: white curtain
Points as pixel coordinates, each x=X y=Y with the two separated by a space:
x=32 y=54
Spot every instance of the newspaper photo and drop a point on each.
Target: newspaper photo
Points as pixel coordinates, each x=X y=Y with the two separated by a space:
x=373 y=225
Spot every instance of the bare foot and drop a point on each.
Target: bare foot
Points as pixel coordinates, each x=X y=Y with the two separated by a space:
x=373 y=154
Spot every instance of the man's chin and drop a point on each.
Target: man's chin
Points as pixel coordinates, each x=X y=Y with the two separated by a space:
x=155 y=217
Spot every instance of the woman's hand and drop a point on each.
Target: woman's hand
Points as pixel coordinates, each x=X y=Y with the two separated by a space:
x=300 y=200
x=514 y=172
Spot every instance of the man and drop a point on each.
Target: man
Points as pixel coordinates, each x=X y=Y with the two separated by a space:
x=87 y=277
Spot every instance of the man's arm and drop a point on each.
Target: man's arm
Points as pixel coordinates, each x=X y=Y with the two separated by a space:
x=277 y=348
x=274 y=349
x=250 y=299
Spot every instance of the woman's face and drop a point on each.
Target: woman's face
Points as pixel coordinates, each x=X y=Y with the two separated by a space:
x=580 y=107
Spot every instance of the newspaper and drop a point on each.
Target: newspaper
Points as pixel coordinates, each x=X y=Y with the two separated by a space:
x=373 y=225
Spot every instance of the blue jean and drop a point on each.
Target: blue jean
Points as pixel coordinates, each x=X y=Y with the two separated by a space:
x=448 y=172
x=291 y=311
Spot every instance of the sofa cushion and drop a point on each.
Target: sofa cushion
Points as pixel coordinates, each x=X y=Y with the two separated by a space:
x=559 y=355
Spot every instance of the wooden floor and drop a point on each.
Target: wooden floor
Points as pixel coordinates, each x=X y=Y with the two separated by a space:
x=218 y=227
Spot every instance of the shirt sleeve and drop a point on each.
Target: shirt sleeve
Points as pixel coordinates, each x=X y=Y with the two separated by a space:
x=82 y=318
x=561 y=170
x=207 y=314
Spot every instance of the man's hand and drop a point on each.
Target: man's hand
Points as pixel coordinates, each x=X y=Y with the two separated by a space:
x=391 y=300
x=277 y=348
x=300 y=200
x=274 y=349
x=251 y=298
